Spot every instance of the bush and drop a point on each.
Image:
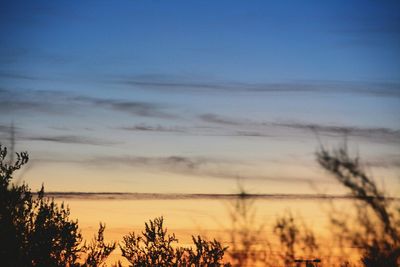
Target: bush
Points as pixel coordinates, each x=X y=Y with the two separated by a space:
x=35 y=231
x=377 y=223
x=295 y=239
x=247 y=247
x=155 y=248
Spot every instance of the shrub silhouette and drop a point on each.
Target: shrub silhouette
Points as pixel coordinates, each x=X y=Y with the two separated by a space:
x=287 y=231
x=377 y=234
x=35 y=231
x=295 y=239
x=247 y=247
x=97 y=251
x=155 y=248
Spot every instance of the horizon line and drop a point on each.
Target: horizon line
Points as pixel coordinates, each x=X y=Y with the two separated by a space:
x=183 y=196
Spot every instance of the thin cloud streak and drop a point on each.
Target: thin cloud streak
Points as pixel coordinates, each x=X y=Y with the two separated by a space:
x=149 y=128
x=182 y=196
x=138 y=108
x=194 y=166
x=164 y=82
x=252 y=134
x=199 y=167
x=268 y=129
x=385 y=134
x=166 y=163
x=227 y=126
x=54 y=102
x=213 y=118
x=181 y=83
x=68 y=139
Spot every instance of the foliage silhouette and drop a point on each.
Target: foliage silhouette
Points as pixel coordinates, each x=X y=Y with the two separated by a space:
x=287 y=231
x=294 y=239
x=35 y=231
x=155 y=248
x=377 y=234
x=97 y=251
x=247 y=247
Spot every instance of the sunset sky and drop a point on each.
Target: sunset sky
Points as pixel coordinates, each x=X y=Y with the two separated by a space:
x=194 y=96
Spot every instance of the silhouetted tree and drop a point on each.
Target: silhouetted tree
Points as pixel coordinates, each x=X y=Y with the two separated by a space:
x=155 y=248
x=248 y=246
x=97 y=251
x=287 y=231
x=377 y=224
x=35 y=231
x=296 y=241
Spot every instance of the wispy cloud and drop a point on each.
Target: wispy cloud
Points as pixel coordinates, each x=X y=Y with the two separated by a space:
x=150 y=128
x=246 y=127
x=180 y=83
x=182 y=196
x=138 y=108
x=175 y=163
x=214 y=118
x=171 y=82
x=201 y=167
x=142 y=109
x=230 y=126
x=58 y=102
x=385 y=134
x=190 y=84
x=252 y=134
x=68 y=139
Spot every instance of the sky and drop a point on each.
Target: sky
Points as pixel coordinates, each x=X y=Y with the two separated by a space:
x=198 y=96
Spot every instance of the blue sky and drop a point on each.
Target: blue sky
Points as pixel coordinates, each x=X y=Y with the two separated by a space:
x=188 y=89
x=261 y=41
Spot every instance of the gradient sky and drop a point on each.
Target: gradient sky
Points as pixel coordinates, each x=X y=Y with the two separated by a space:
x=191 y=96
